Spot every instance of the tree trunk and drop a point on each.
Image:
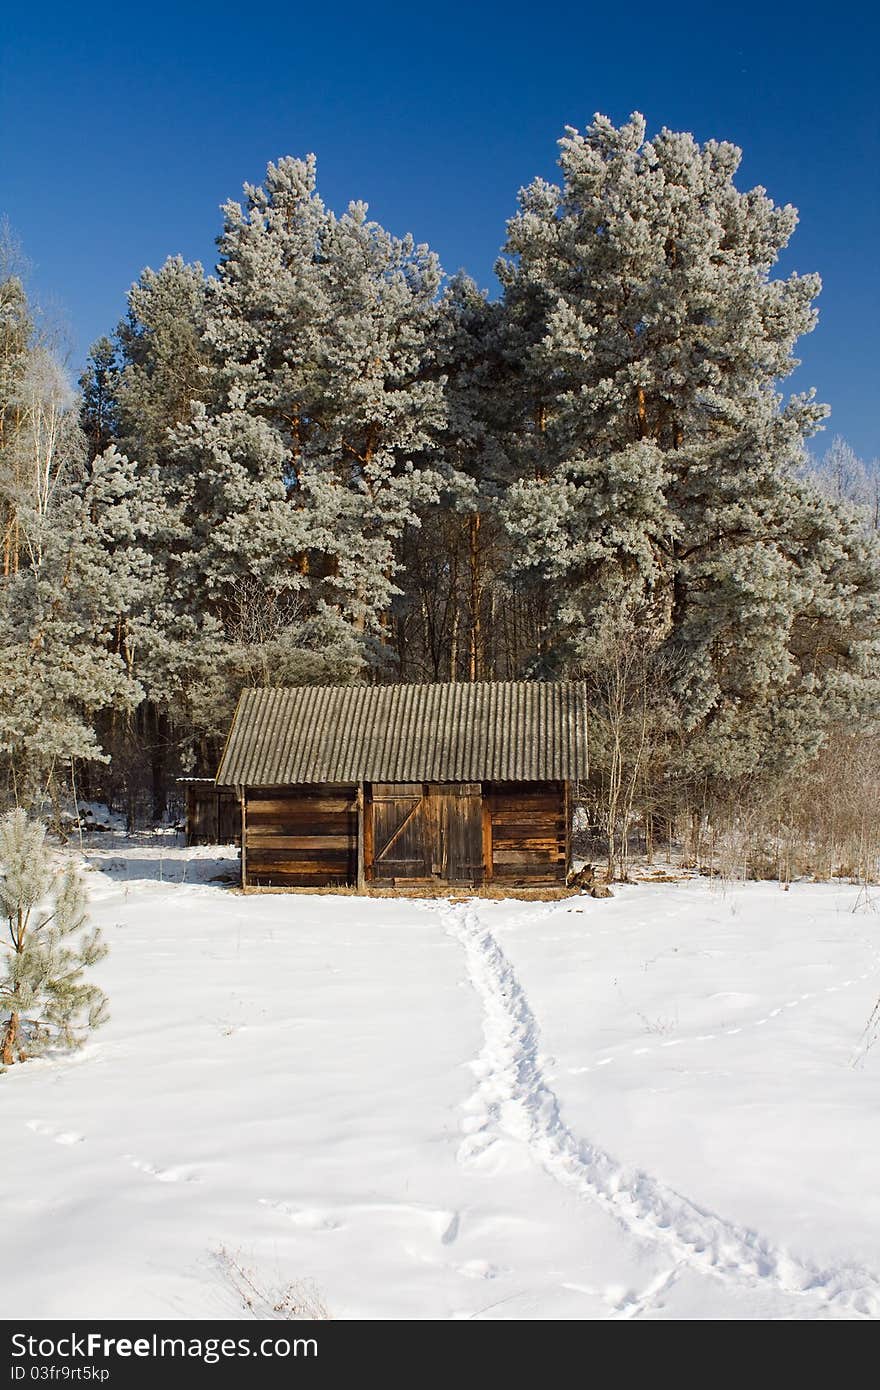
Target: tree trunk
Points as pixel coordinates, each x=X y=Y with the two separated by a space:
x=159 y=788
x=475 y=662
x=453 y=645
x=7 y=1056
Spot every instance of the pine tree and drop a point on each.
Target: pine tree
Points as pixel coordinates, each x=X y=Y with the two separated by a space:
x=166 y=633
x=658 y=463
x=64 y=615
x=56 y=668
x=843 y=476
x=165 y=360
x=44 y=999
x=316 y=454
x=99 y=384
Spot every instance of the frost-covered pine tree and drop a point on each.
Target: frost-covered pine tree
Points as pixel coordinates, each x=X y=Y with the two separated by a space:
x=316 y=452
x=59 y=664
x=170 y=640
x=45 y=999
x=658 y=462
x=843 y=476
x=124 y=565
x=165 y=363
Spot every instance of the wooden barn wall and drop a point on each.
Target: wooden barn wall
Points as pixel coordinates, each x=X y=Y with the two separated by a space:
x=300 y=837
x=213 y=815
x=527 y=828
x=514 y=834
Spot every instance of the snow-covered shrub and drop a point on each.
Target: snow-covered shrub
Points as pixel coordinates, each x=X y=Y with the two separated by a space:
x=44 y=999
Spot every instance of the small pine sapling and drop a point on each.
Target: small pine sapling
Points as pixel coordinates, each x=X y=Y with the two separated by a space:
x=44 y=999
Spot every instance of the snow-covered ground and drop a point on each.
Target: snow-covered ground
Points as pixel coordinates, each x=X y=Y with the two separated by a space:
x=643 y=1107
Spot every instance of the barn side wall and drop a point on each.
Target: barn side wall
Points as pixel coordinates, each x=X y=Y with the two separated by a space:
x=300 y=837
x=212 y=814
x=528 y=829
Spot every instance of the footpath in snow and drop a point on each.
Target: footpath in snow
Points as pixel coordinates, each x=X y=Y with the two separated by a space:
x=514 y=1098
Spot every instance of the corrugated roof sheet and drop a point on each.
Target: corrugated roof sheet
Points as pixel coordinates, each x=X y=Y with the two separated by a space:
x=488 y=731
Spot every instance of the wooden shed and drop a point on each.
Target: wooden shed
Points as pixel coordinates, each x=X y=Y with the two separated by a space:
x=406 y=785
x=213 y=816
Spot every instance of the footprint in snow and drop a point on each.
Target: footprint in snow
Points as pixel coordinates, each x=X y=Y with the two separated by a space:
x=308 y=1218
x=444 y=1223
x=478 y=1269
x=179 y=1173
x=61 y=1136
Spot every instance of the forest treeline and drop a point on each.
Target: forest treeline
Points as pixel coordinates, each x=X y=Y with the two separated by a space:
x=326 y=461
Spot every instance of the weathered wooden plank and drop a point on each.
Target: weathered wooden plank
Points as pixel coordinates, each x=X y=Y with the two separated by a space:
x=259 y=839
x=314 y=860
x=530 y=881
x=318 y=873
x=507 y=835
x=405 y=880
x=392 y=790
x=301 y=789
x=309 y=836
x=550 y=844
x=297 y=804
x=295 y=865
x=520 y=791
x=525 y=792
x=567 y=808
x=244 y=863
x=526 y=856
x=523 y=819
x=529 y=864
x=487 y=840
x=387 y=868
x=539 y=826
x=304 y=825
x=294 y=880
x=530 y=873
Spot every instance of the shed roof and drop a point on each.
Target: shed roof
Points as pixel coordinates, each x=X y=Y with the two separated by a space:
x=504 y=731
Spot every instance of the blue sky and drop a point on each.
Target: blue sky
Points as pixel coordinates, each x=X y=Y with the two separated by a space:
x=125 y=127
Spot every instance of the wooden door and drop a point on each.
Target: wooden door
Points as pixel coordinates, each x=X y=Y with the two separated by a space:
x=458 y=832
x=423 y=833
x=401 y=837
